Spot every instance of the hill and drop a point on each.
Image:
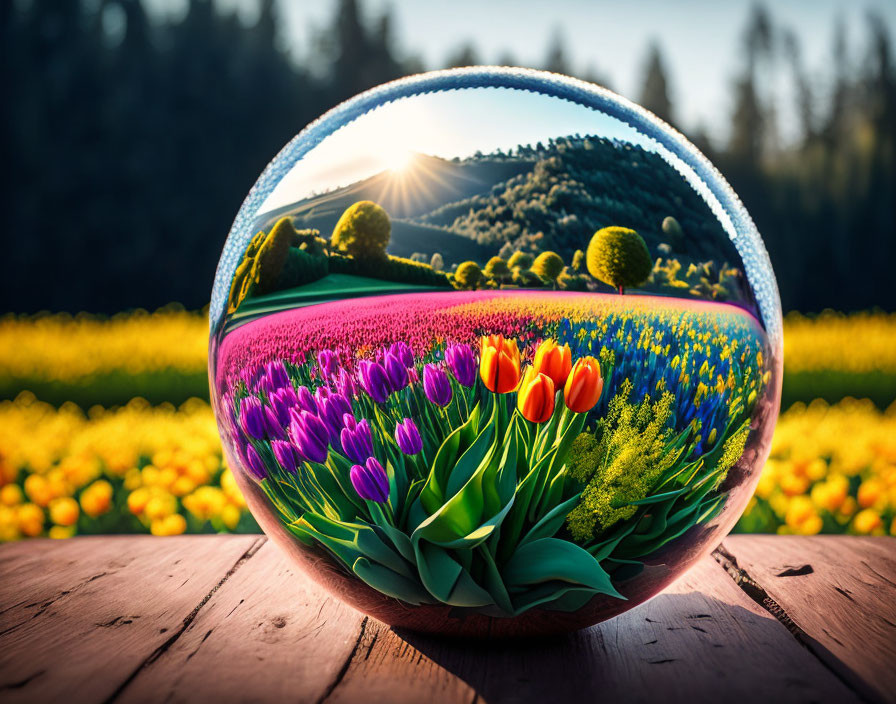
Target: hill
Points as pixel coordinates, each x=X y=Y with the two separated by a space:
x=577 y=185
x=426 y=183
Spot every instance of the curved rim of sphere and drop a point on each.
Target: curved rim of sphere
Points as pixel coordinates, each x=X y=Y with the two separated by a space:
x=698 y=172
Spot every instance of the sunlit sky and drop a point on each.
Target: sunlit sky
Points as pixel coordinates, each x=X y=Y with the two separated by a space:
x=448 y=125
x=700 y=39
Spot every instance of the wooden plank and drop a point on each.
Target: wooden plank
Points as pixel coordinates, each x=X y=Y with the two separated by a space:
x=840 y=594
x=78 y=617
x=701 y=640
x=268 y=634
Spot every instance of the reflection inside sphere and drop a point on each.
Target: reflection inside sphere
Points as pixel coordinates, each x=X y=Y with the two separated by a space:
x=494 y=354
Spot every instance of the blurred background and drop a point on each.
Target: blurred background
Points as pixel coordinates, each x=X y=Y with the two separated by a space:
x=132 y=130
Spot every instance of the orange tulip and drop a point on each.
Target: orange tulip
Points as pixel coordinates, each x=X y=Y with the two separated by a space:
x=499 y=364
x=536 y=396
x=584 y=385
x=553 y=361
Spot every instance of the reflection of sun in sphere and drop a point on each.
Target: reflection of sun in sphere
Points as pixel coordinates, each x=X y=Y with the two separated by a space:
x=494 y=353
x=399 y=160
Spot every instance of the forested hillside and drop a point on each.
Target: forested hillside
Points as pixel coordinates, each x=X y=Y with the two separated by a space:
x=577 y=185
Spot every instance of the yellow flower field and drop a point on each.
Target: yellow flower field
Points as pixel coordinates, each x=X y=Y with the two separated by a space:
x=832 y=469
x=139 y=468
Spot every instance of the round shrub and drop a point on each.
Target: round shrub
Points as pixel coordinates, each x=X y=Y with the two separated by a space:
x=468 y=275
x=363 y=231
x=618 y=257
x=272 y=256
x=497 y=269
x=548 y=265
x=520 y=260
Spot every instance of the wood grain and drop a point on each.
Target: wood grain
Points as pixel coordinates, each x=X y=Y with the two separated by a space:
x=228 y=618
x=699 y=641
x=268 y=634
x=839 y=593
x=78 y=617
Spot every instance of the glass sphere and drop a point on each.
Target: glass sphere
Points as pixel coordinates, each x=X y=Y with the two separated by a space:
x=494 y=352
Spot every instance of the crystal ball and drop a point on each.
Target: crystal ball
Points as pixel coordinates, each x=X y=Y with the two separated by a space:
x=494 y=352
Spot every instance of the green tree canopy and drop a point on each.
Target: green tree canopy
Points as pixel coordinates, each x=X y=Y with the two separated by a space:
x=618 y=256
x=468 y=275
x=497 y=269
x=548 y=265
x=363 y=231
x=520 y=260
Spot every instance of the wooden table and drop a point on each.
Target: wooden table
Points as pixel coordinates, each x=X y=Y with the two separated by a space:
x=226 y=619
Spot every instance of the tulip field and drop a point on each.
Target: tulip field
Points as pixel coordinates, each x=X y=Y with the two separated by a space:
x=113 y=462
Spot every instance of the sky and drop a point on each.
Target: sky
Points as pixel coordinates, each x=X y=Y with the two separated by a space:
x=448 y=125
x=700 y=39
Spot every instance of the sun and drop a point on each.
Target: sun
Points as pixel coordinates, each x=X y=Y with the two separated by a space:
x=399 y=159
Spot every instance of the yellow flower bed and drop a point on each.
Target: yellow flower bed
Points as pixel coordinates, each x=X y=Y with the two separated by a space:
x=854 y=344
x=832 y=469
x=139 y=468
x=69 y=348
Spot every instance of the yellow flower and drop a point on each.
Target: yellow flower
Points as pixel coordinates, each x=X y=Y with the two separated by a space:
x=31 y=520
x=38 y=489
x=61 y=532
x=871 y=494
x=867 y=521
x=11 y=495
x=161 y=505
x=138 y=499
x=175 y=524
x=64 y=511
x=96 y=499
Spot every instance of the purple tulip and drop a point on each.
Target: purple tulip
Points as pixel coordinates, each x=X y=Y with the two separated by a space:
x=408 y=437
x=374 y=380
x=309 y=434
x=345 y=384
x=462 y=363
x=283 y=401
x=285 y=454
x=403 y=352
x=306 y=400
x=370 y=481
x=275 y=376
x=333 y=406
x=357 y=440
x=327 y=361
x=396 y=371
x=254 y=462
x=252 y=417
x=436 y=385
x=272 y=424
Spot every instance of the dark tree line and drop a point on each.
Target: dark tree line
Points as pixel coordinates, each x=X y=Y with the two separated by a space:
x=130 y=140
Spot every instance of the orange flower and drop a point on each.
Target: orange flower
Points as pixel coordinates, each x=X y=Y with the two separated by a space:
x=536 y=396
x=584 y=385
x=553 y=361
x=499 y=364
